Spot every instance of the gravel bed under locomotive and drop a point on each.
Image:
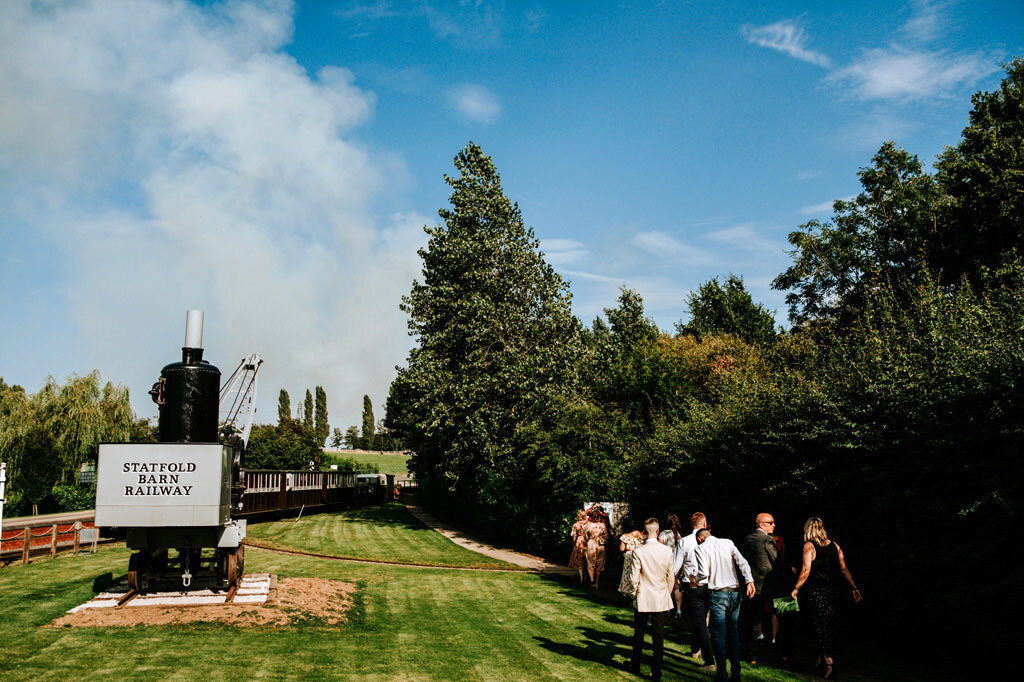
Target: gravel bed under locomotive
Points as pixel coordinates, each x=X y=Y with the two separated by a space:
x=178 y=493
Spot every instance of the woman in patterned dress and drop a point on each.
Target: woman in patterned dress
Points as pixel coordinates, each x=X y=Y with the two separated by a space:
x=579 y=543
x=627 y=543
x=596 y=533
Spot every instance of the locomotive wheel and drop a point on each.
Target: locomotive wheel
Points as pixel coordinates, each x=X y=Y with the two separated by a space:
x=137 y=572
x=236 y=563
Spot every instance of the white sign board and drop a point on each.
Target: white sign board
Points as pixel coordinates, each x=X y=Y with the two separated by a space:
x=162 y=484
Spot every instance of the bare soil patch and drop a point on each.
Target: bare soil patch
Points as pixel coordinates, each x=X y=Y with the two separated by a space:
x=297 y=601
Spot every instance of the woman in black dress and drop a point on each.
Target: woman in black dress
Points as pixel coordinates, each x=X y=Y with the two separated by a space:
x=821 y=575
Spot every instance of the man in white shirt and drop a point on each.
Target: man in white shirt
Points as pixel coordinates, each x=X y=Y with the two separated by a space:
x=717 y=562
x=696 y=598
x=653 y=580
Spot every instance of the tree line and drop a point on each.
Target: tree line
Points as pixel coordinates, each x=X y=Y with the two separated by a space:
x=46 y=438
x=891 y=407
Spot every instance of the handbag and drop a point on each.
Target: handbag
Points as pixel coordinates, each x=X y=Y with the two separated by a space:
x=786 y=605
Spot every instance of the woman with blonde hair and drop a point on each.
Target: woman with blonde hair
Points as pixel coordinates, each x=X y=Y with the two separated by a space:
x=823 y=568
x=578 y=534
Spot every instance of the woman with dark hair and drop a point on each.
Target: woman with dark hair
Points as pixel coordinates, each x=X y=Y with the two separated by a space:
x=577 y=559
x=824 y=567
x=672 y=537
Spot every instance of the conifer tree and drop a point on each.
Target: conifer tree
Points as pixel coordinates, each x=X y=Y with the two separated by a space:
x=496 y=339
x=284 y=407
x=368 y=423
x=322 y=428
x=307 y=412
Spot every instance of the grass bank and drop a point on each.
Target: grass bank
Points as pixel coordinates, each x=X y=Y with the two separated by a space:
x=383 y=533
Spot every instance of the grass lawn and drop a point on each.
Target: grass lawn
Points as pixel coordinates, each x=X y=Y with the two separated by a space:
x=408 y=623
x=384 y=533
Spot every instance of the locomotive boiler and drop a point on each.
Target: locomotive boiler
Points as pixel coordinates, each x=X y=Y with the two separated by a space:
x=178 y=494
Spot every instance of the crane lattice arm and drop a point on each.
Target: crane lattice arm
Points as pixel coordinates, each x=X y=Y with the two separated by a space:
x=238 y=397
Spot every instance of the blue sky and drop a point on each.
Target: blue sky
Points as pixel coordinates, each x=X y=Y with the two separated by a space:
x=274 y=163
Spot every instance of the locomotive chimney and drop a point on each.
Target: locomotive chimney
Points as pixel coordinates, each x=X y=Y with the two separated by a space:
x=192 y=351
x=188 y=392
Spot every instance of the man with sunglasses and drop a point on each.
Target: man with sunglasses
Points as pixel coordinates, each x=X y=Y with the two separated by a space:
x=761 y=553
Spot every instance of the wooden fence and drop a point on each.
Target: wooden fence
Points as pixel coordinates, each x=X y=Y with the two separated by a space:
x=46 y=538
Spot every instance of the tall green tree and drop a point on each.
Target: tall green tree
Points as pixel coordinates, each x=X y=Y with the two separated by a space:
x=885 y=235
x=368 y=423
x=983 y=175
x=352 y=440
x=321 y=426
x=618 y=358
x=495 y=341
x=717 y=308
x=628 y=325
x=337 y=438
x=284 y=407
x=288 y=445
x=307 y=412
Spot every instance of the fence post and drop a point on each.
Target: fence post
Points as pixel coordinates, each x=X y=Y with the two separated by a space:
x=24 y=549
x=53 y=541
x=78 y=529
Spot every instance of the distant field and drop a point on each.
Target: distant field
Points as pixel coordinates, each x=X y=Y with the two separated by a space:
x=386 y=462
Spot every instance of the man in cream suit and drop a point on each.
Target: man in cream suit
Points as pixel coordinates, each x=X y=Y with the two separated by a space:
x=652 y=577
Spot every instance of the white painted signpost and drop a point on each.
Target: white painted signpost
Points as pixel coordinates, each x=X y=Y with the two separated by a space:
x=3 y=487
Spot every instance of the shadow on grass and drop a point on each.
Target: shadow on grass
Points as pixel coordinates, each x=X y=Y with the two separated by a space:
x=102 y=582
x=614 y=648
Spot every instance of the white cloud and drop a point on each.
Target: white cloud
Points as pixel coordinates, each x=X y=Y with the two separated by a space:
x=787 y=37
x=563 y=251
x=666 y=246
x=903 y=75
x=535 y=19
x=475 y=102
x=476 y=24
x=594 y=277
x=824 y=207
x=178 y=158
x=746 y=237
x=928 y=20
x=808 y=175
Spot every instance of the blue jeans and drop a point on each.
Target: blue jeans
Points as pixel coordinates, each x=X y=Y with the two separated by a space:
x=725 y=633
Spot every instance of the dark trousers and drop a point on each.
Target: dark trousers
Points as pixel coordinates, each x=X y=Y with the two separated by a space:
x=697 y=603
x=657 y=640
x=751 y=618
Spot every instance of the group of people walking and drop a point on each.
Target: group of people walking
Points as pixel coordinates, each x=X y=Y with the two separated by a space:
x=733 y=596
x=590 y=534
